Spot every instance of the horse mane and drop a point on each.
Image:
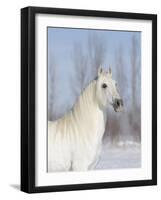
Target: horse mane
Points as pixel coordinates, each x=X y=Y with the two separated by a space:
x=84 y=104
x=87 y=97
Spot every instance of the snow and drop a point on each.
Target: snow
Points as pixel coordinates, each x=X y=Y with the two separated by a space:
x=120 y=155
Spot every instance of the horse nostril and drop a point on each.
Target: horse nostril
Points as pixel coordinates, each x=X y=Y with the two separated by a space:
x=118 y=102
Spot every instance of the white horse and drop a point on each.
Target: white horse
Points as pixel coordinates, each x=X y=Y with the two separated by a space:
x=75 y=140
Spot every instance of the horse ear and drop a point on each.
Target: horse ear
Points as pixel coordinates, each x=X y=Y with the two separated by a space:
x=100 y=70
x=110 y=71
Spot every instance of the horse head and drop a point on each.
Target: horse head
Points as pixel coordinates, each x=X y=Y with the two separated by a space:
x=107 y=91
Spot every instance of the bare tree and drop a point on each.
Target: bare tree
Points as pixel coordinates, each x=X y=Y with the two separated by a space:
x=96 y=52
x=135 y=76
x=52 y=75
x=78 y=79
x=134 y=70
x=86 y=60
x=121 y=72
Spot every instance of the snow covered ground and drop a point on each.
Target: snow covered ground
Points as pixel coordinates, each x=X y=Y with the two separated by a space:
x=121 y=155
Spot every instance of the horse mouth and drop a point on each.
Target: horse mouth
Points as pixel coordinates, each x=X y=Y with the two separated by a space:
x=118 y=109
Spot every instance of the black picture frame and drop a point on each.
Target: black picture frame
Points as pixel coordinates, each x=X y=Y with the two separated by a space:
x=28 y=98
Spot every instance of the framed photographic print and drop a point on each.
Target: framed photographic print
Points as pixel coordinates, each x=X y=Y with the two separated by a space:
x=88 y=99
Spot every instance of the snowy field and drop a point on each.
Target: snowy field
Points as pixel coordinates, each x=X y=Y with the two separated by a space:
x=121 y=155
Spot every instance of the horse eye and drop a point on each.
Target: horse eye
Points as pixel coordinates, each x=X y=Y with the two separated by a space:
x=104 y=85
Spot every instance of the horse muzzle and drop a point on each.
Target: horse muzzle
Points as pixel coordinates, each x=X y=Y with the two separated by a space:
x=118 y=105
